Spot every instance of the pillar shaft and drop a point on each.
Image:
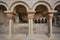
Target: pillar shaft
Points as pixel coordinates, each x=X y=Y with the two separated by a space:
x=30 y=32
x=11 y=16
x=50 y=16
x=10 y=27
x=50 y=22
x=30 y=20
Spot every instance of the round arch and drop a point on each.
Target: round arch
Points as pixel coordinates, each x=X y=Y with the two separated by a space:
x=42 y=3
x=56 y=4
x=21 y=14
x=3 y=16
x=4 y=4
x=19 y=3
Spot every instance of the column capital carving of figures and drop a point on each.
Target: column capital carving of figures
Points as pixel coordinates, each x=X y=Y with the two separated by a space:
x=31 y=14
x=10 y=14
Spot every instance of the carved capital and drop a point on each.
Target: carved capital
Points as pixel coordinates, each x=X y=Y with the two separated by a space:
x=31 y=14
x=50 y=16
x=10 y=14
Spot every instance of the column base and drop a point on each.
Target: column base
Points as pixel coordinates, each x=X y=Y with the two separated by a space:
x=52 y=37
x=30 y=37
x=10 y=37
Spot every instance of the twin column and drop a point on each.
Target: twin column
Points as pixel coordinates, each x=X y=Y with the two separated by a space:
x=49 y=19
x=11 y=16
x=30 y=21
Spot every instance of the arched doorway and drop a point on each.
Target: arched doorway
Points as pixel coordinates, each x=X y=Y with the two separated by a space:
x=3 y=20
x=40 y=19
x=21 y=18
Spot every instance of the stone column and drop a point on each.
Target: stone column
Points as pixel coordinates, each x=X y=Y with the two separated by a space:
x=30 y=20
x=10 y=15
x=49 y=17
x=50 y=23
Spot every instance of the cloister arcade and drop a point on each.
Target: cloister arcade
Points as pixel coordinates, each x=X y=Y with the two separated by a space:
x=20 y=18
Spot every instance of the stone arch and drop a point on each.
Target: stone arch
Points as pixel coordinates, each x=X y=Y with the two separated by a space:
x=16 y=4
x=56 y=4
x=21 y=13
x=40 y=15
x=3 y=16
x=4 y=4
x=42 y=3
x=56 y=7
x=19 y=3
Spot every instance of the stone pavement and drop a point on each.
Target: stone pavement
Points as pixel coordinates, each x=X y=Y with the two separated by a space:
x=23 y=37
x=57 y=36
